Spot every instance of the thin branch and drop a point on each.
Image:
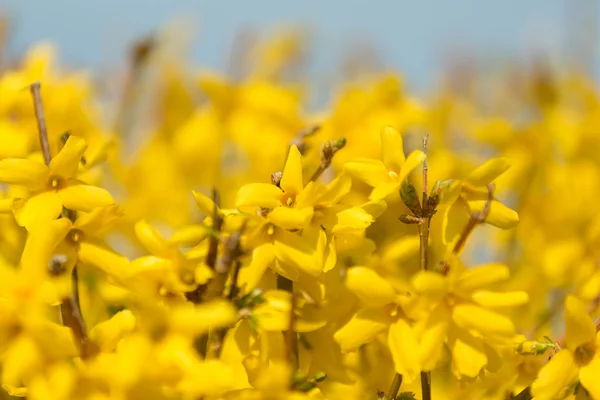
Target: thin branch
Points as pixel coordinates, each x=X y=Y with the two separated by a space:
x=35 y=89
x=475 y=219
x=426 y=214
x=70 y=308
x=395 y=388
x=327 y=154
x=195 y=296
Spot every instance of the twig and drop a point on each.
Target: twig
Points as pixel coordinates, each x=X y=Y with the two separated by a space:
x=300 y=139
x=233 y=252
x=327 y=154
x=426 y=385
x=35 y=89
x=395 y=388
x=426 y=214
x=195 y=296
x=70 y=308
x=475 y=219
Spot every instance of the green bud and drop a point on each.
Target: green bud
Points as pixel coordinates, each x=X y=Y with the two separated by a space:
x=319 y=376
x=410 y=198
x=406 y=396
x=340 y=144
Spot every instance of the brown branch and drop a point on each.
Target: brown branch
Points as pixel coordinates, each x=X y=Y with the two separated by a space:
x=70 y=308
x=38 y=107
x=475 y=219
x=426 y=214
x=327 y=154
x=195 y=296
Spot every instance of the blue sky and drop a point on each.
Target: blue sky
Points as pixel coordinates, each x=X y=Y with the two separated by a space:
x=412 y=36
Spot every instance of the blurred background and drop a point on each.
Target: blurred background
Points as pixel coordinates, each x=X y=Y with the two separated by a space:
x=420 y=39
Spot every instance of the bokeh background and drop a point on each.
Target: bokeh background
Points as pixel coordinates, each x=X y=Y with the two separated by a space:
x=421 y=39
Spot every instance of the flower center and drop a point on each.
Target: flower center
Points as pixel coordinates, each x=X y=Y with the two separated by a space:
x=54 y=182
x=75 y=236
x=393 y=175
x=585 y=353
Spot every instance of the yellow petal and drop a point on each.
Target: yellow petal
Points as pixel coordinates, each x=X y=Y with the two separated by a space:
x=405 y=350
x=489 y=299
x=152 y=240
x=39 y=208
x=468 y=355
x=102 y=257
x=291 y=181
x=488 y=172
x=66 y=162
x=195 y=320
x=205 y=204
x=108 y=333
x=258 y=195
x=262 y=257
x=190 y=235
x=99 y=218
x=588 y=377
x=433 y=337
x=290 y=218
x=372 y=172
x=352 y=220
x=369 y=287
x=413 y=160
x=362 y=328
x=555 y=377
x=17 y=171
x=384 y=190
x=500 y=216
x=487 y=322
x=304 y=252
x=482 y=276
x=335 y=190
x=429 y=283
x=392 y=149
x=81 y=197
x=41 y=242
x=579 y=326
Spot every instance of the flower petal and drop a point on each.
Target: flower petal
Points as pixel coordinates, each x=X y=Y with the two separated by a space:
x=403 y=345
x=489 y=299
x=369 y=287
x=413 y=160
x=392 y=149
x=42 y=207
x=19 y=171
x=258 y=195
x=488 y=172
x=81 y=197
x=431 y=284
x=579 y=326
x=468 y=354
x=555 y=377
x=99 y=255
x=491 y=323
x=262 y=257
x=189 y=235
x=99 y=218
x=433 y=337
x=290 y=218
x=382 y=191
x=500 y=216
x=152 y=240
x=305 y=252
x=362 y=328
x=40 y=245
x=66 y=162
x=482 y=276
x=291 y=181
x=589 y=377
x=372 y=172
x=205 y=204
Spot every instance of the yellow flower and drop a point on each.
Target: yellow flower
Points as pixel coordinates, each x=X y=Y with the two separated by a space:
x=386 y=176
x=579 y=359
x=52 y=187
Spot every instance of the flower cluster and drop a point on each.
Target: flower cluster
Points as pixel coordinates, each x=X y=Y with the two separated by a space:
x=241 y=248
